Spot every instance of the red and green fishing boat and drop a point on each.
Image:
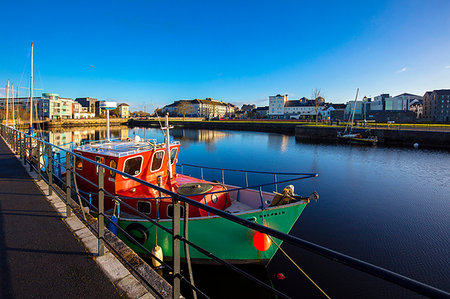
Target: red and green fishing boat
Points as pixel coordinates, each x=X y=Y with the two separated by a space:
x=156 y=163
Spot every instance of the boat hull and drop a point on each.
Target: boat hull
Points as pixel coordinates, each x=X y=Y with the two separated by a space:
x=223 y=238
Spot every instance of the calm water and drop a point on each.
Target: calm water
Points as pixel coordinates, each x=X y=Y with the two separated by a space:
x=387 y=206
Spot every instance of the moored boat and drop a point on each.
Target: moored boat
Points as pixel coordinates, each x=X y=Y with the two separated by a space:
x=156 y=163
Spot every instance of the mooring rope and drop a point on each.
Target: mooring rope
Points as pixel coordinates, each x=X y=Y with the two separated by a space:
x=301 y=270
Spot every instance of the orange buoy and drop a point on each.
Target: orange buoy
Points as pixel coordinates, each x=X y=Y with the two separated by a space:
x=261 y=241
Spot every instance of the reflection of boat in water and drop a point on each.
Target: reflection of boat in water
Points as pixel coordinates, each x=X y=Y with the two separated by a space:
x=356 y=136
x=157 y=164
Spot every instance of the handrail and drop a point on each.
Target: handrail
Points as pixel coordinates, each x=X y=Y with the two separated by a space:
x=363 y=266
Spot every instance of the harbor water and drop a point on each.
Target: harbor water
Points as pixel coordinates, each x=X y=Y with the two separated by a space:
x=386 y=206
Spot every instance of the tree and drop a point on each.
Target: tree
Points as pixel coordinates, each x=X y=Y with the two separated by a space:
x=184 y=107
x=318 y=99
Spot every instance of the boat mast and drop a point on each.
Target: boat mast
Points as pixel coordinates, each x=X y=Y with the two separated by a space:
x=7 y=104
x=13 y=106
x=30 y=131
x=167 y=128
x=354 y=110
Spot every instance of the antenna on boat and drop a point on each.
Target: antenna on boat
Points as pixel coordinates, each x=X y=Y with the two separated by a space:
x=167 y=141
x=108 y=106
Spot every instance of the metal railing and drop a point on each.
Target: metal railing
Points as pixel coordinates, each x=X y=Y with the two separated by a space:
x=23 y=145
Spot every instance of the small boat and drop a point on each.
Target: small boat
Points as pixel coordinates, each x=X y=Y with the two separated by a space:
x=362 y=137
x=356 y=136
x=156 y=163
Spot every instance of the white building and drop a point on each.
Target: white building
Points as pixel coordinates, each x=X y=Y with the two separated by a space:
x=276 y=105
x=124 y=110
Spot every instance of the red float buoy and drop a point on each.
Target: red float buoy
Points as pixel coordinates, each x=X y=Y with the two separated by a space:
x=261 y=241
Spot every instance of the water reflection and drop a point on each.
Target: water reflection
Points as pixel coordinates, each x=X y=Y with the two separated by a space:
x=78 y=135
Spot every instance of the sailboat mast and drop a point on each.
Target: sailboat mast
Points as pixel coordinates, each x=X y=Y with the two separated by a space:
x=7 y=104
x=354 y=110
x=31 y=92
x=13 y=106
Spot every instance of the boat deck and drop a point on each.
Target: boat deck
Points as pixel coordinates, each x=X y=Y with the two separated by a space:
x=122 y=148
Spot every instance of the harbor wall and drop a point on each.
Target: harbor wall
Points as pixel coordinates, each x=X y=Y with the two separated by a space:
x=284 y=128
x=393 y=137
x=70 y=123
x=389 y=137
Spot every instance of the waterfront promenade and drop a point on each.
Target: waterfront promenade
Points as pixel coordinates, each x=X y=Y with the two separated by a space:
x=39 y=256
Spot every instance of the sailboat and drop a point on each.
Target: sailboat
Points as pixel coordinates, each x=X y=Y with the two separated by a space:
x=356 y=136
x=156 y=163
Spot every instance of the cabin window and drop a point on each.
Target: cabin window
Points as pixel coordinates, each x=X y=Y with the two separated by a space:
x=133 y=165
x=112 y=164
x=100 y=160
x=157 y=160
x=170 y=211
x=79 y=163
x=144 y=207
x=173 y=155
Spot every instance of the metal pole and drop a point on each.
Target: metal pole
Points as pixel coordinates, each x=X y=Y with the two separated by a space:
x=39 y=159
x=50 y=170
x=30 y=152
x=176 y=249
x=101 y=209
x=68 y=186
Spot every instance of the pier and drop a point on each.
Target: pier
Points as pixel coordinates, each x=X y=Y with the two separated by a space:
x=39 y=256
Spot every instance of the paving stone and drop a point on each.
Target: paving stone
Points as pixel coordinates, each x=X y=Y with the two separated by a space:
x=112 y=267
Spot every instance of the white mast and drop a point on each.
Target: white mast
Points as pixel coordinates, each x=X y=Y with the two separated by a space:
x=7 y=104
x=354 y=110
x=31 y=92
x=167 y=128
x=13 y=106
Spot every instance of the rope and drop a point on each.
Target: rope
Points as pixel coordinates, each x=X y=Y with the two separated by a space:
x=301 y=270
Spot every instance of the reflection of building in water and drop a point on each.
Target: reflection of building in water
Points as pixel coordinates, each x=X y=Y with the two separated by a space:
x=198 y=135
x=277 y=141
x=84 y=134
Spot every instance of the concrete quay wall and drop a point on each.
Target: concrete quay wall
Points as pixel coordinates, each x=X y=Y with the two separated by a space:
x=427 y=139
x=284 y=128
x=389 y=137
x=69 y=123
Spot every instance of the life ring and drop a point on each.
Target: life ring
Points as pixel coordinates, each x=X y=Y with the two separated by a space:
x=140 y=229
x=128 y=139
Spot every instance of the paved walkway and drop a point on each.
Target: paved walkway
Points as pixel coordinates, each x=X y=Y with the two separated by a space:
x=39 y=256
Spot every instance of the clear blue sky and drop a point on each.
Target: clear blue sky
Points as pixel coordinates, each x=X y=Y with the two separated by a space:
x=155 y=52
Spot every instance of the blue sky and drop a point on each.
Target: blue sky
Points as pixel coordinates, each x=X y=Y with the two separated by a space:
x=154 y=52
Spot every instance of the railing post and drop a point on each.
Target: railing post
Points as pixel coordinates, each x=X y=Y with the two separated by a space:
x=101 y=210
x=30 y=153
x=176 y=249
x=50 y=169
x=39 y=159
x=22 y=146
x=68 y=186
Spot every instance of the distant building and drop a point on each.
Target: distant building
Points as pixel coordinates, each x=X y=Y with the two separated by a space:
x=379 y=102
x=262 y=112
x=436 y=105
x=248 y=107
x=208 y=108
x=52 y=106
x=88 y=103
x=400 y=102
x=276 y=105
x=416 y=106
x=124 y=110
